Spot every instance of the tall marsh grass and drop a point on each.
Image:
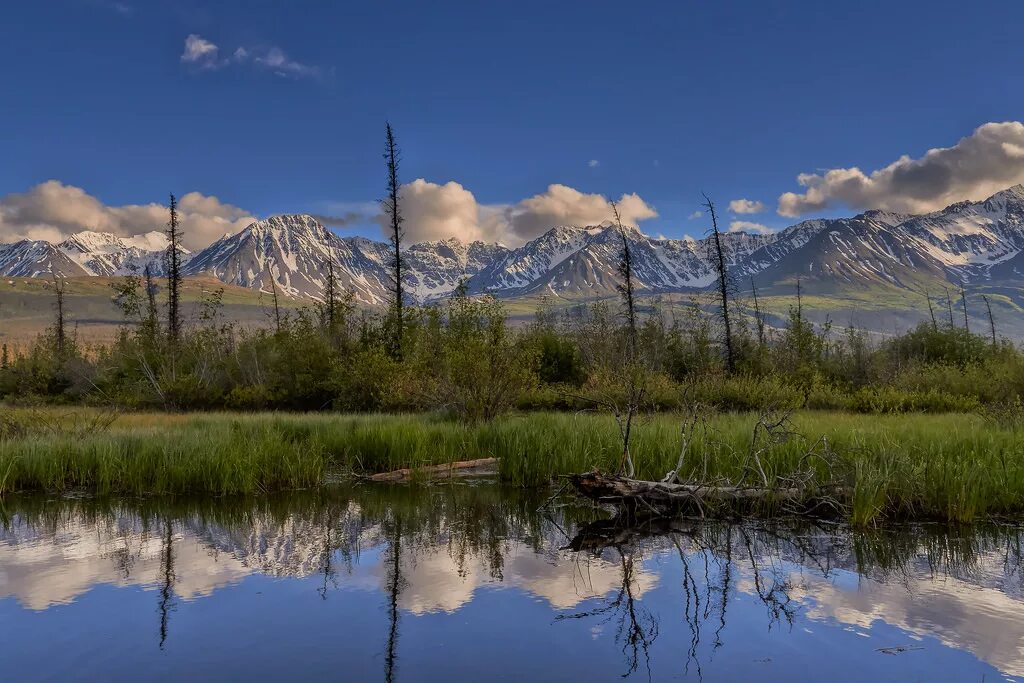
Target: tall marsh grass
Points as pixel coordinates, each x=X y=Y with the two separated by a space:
x=954 y=467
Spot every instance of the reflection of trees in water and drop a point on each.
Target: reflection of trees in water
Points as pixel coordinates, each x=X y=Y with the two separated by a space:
x=395 y=584
x=167 y=588
x=762 y=559
x=636 y=627
x=324 y=532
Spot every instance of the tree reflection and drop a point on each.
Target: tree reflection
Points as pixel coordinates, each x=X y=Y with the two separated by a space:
x=167 y=587
x=490 y=535
x=713 y=557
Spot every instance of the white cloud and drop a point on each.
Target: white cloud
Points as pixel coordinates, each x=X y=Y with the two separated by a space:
x=203 y=54
x=746 y=206
x=695 y=215
x=435 y=211
x=563 y=205
x=200 y=52
x=277 y=61
x=747 y=226
x=979 y=165
x=593 y=163
x=53 y=211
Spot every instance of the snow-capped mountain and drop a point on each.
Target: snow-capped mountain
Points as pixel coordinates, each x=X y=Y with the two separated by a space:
x=295 y=251
x=972 y=242
x=570 y=260
x=86 y=253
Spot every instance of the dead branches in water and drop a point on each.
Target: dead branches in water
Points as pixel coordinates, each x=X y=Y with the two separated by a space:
x=811 y=488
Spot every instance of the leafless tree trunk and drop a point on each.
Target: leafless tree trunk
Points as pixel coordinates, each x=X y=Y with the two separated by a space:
x=963 y=300
x=633 y=369
x=949 y=307
x=59 y=335
x=991 y=319
x=626 y=286
x=723 y=287
x=758 y=314
x=394 y=213
x=277 y=308
x=931 y=311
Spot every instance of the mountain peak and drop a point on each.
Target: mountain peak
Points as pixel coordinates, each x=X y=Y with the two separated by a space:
x=1015 y=192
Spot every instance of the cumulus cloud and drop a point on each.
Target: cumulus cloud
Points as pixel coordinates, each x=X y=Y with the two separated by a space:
x=746 y=206
x=986 y=161
x=54 y=211
x=203 y=54
x=593 y=163
x=695 y=215
x=563 y=205
x=434 y=211
x=747 y=226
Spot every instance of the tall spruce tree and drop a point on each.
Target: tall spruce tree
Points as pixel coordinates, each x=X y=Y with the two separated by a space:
x=173 y=259
x=393 y=212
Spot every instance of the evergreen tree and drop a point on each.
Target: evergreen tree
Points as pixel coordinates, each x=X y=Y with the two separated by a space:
x=393 y=212
x=173 y=259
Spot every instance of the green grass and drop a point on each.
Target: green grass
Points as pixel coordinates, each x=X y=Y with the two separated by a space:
x=954 y=467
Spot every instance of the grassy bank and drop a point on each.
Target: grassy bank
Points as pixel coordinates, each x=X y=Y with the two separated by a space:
x=954 y=467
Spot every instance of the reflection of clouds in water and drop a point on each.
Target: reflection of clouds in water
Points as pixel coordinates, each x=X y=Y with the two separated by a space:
x=982 y=620
x=436 y=582
x=42 y=570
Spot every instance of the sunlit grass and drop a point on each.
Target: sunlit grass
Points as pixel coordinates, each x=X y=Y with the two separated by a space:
x=955 y=467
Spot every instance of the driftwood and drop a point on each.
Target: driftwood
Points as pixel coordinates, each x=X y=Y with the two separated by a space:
x=660 y=496
x=464 y=468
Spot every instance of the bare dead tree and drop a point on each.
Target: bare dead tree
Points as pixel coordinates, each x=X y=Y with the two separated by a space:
x=799 y=301
x=723 y=287
x=393 y=212
x=758 y=313
x=949 y=307
x=931 y=311
x=991 y=319
x=626 y=286
x=963 y=301
x=173 y=259
x=277 y=307
x=59 y=333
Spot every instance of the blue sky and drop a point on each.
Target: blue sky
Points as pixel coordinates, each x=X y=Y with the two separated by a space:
x=670 y=99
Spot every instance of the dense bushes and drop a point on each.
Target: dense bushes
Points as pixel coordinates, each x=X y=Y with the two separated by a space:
x=463 y=356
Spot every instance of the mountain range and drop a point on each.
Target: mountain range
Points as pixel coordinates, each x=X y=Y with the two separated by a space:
x=974 y=243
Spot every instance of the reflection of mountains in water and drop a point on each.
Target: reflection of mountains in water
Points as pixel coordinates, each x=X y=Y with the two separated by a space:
x=446 y=555
x=963 y=589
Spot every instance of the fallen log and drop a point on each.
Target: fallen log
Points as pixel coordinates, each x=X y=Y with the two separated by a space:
x=663 y=496
x=463 y=468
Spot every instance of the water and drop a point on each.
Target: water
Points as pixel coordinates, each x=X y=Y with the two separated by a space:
x=471 y=583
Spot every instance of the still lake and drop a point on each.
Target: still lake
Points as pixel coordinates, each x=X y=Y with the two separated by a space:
x=471 y=582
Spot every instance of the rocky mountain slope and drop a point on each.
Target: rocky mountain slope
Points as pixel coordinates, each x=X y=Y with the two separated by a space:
x=970 y=242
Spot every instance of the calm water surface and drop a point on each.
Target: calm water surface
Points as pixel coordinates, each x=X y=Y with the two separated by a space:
x=472 y=583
